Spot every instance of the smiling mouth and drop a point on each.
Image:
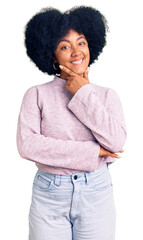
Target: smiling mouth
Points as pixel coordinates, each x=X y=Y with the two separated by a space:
x=78 y=62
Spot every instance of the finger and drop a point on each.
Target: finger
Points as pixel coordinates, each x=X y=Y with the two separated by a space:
x=110 y=154
x=67 y=70
x=68 y=82
x=121 y=150
x=113 y=155
x=69 y=77
x=117 y=156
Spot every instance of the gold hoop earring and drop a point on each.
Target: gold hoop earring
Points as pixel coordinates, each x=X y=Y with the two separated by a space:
x=54 y=66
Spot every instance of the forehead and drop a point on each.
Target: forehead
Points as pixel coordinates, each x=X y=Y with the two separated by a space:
x=72 y=32
x=72 y=35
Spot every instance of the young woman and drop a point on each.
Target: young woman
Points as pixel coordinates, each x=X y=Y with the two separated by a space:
x=71 y=128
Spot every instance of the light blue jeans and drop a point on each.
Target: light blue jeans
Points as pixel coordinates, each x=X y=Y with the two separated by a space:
x=72 y=207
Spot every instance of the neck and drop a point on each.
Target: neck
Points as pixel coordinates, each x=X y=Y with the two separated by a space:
x=64 y=75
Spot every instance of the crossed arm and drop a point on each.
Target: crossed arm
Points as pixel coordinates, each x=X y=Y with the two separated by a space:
x=105 y=122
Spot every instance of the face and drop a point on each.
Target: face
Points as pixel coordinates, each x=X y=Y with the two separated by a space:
x=73 y=52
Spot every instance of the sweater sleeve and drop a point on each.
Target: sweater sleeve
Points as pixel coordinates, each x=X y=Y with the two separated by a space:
x=105 y=120
x=34 y=146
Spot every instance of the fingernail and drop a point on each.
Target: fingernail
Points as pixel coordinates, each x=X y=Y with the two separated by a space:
x=60 y=66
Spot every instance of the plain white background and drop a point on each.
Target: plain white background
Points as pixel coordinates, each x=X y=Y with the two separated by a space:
x=118 y=67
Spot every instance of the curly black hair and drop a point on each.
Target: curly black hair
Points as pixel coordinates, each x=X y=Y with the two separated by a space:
x=48 y=26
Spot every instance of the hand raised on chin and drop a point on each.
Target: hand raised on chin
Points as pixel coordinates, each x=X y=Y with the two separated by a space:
x=74 y=80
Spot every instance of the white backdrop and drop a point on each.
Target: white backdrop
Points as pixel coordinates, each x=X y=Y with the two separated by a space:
x=118 y=67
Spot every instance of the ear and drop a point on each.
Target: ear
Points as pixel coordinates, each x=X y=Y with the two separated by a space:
x=55 y=60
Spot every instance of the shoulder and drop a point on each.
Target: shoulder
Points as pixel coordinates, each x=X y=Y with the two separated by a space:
x=107 y=95
x=103 y=91
x=99 y=88
x=100 y=91
x=36 y=89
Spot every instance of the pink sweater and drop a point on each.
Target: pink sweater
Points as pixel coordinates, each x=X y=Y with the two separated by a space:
x=62 y=132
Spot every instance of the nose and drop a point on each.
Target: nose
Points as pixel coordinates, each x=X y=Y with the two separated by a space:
x=76 y=52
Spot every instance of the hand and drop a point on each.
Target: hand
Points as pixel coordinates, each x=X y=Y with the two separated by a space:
x=75 y=81
x=105 y=153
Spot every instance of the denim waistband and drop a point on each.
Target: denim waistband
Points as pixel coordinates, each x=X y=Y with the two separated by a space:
x=74 y=177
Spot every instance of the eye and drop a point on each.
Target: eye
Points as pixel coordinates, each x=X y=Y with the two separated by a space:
x=81 y=43
x=65 y=47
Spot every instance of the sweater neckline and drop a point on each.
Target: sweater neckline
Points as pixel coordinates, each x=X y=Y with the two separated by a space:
x=59 y=80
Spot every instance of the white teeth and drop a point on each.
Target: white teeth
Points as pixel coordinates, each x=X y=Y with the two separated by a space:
x=78 y=61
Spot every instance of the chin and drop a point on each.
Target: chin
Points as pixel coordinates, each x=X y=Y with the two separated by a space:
x=79 y=71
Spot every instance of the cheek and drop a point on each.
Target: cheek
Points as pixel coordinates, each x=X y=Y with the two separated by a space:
x=62 y=57
x=88 y=53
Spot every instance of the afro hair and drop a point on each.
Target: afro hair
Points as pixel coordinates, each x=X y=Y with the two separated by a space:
x=45 y=28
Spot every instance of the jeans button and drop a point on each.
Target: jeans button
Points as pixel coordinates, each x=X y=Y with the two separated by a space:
x=75 y=177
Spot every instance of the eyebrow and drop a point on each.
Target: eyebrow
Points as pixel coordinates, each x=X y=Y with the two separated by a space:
x=68 y=40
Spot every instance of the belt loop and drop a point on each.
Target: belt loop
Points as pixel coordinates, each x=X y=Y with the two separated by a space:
x=57 y=180
x=86 y=177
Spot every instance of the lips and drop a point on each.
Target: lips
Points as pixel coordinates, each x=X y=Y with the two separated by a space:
x=78 y=61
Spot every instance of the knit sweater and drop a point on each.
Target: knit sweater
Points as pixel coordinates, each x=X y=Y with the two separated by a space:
x=62 y=132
